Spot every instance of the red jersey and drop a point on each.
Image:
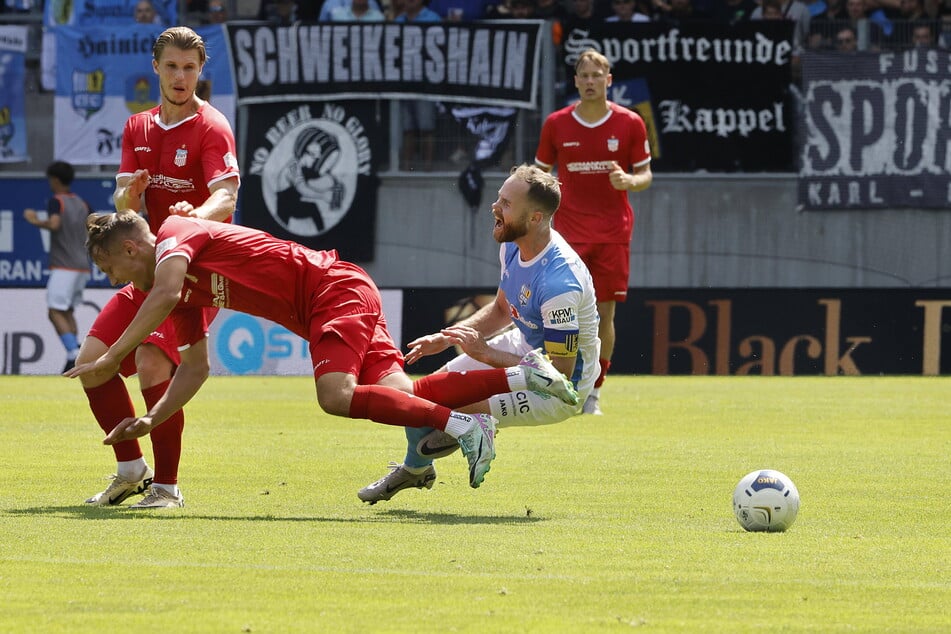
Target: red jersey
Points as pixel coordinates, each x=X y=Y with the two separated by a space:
x=183 y=159
x=243 y=269
x=591 y=209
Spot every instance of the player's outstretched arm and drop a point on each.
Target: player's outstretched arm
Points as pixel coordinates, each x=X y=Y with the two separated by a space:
x=187 y=380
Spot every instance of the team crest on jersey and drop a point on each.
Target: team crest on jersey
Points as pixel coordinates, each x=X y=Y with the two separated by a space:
x=181 y=157
x=524 y=294
x=309 y=174
x=88 y=92
x=613 y=144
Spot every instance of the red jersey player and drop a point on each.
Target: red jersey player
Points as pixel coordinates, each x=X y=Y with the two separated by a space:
x=192 y=263
x=593 y=143
x=177 y=159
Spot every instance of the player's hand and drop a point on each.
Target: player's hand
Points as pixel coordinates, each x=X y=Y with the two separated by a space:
x=181 y=208
x=139 y=183
x=424 y=346
x=129 y=429
x=102 y=368
x=30 y=216
x=620 y=180
x=468 y=339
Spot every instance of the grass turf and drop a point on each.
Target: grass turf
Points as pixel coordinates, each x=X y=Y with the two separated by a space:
x=596 y=524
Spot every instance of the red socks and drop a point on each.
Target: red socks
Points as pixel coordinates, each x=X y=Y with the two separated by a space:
x=166 y=438
x=110 y=403
x=455 y=389
x=605 y=365
x=390 y=406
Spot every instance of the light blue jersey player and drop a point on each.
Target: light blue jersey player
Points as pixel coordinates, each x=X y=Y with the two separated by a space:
x=545 y=300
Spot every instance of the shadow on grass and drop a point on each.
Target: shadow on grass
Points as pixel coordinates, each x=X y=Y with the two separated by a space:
x=395 y=516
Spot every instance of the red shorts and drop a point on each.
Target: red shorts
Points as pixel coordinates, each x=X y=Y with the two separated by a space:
x=347 y=328
x=610 y=267
x=118 y=313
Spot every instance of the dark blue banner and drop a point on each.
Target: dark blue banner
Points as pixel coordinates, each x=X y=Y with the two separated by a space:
x=875 y=130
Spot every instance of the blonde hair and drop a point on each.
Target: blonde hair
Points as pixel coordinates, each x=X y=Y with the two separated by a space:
x=544 y=190
x=591 y=55
x=103 y=231
x=179 y=37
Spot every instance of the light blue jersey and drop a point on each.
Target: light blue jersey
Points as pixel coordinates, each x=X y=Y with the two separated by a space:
x=552 y=302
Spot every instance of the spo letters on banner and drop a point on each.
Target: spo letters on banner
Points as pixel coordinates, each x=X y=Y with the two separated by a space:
x=876 y=130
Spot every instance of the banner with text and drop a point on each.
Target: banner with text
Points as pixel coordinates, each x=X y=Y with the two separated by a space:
x=488 y=63
x=310 y=174
x=771 y=331
x=12 y=102
x=105 y=75
x=876 y=130
x=715 y=96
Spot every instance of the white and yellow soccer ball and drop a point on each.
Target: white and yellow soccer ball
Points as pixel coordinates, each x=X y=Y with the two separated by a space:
x=766 y=500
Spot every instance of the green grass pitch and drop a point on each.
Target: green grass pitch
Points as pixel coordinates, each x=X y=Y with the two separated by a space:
x=606 y=523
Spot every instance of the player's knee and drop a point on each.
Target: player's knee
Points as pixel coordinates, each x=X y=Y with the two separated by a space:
x=334 y=402
x=152 y=366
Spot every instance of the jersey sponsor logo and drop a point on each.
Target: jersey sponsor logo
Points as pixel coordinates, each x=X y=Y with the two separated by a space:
x=220 y=290
x=589 y=167
x=164 y=247
x=517 y=316
x=230 y=160
x=181 y=157
x=171 y=184
x=571 y=144
x=143 y=148
x=309 y=174
x=561 y=316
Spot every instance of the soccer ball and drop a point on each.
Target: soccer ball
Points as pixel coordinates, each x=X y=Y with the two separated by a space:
x=766 y=500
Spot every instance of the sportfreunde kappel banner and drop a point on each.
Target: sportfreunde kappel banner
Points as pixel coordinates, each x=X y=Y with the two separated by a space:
x=105 y=74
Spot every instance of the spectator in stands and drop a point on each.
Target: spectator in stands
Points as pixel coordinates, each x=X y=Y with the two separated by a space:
x=357 y=11
x=459 y=10
x=846 y=40
x=418 y=115
x=625 y=11
x=733 y=11
x=679 y=13
x=278 y=12
x=857 y=11
x=796 y=11
x=217 y=12
x=923 y=34
x=822 y=28
x=522 y=9
x=144 y=13
x=330 y=5
x=581 y=17
x=910 y=14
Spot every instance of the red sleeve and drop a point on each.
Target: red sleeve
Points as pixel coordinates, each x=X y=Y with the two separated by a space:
x=218 y=151
x=640 y=146
x=127 y=162
x=546 y=148
x=180 y=235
